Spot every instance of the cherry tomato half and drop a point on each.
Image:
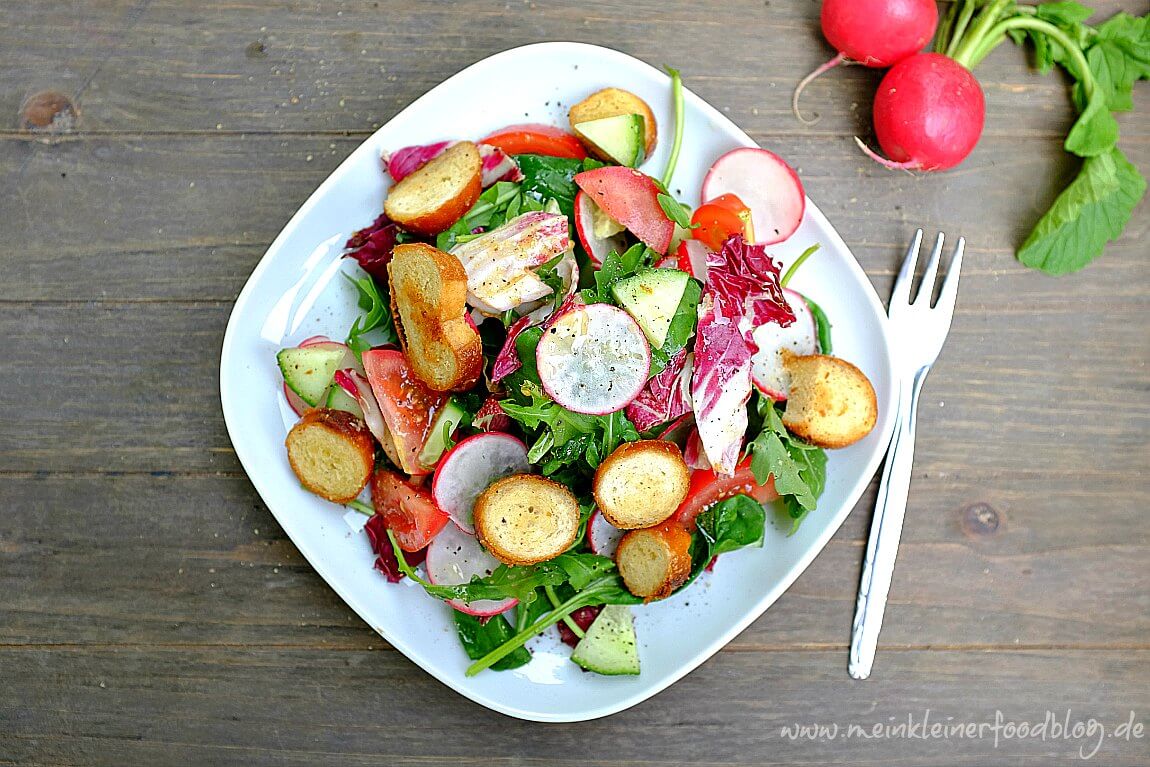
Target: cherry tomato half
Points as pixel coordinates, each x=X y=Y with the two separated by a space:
x=536 y=138
x=407 y=510
x=708 y=488
x=720 y=218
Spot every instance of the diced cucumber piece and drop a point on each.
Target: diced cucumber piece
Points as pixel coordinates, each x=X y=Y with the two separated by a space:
x=338 y=399
x=444 y=425
x=308 y=371
x=652 y=297
x=619 y=137
x=610 y=645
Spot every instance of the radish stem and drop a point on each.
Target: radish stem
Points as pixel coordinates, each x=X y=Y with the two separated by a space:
x=839 y=59
x=554 y=599
x=960 y=26
x=361 y=507
x=677 y=99
x=798 y=262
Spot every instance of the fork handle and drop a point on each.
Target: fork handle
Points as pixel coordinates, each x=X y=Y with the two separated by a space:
x=885 y=532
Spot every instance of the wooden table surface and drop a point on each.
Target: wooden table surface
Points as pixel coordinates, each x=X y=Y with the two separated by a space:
x=152 y=612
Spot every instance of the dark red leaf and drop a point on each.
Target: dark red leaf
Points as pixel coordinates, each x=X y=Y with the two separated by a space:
x=583 y=618
x=385 y=560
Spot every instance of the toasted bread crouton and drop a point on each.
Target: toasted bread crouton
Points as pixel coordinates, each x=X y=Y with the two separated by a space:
x=832 y=403
x=610 y=102
x=656 y=560
x=434 y=197
x=641 y=484
x=524 y=519
x=428 y=297
x=332 y=452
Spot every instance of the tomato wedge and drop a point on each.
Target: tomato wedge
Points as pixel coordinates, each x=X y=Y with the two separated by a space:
x=708 y=488
x=720 y=218
x=536 y=138
x=408 y=511
x=407 y=405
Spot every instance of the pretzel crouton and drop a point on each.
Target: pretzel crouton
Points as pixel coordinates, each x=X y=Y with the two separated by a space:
x=437 y=195
x=832 y=403
x=332 y=453
x=641 y=484
x=428 y=297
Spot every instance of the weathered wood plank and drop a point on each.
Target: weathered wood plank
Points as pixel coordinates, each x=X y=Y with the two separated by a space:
x=187 y=218
x=197 y=560
x=152 y=66
x=289 y=707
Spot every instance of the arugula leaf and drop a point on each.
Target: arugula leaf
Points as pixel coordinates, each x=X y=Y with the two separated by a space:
x=499 y=203
x=1091 y=211
x=799 y=469
x=480 y=637
x=675 y=211
x=616 y=267
x=822 y=326
x=375 y=304
x=735 y=523
x=551 y=178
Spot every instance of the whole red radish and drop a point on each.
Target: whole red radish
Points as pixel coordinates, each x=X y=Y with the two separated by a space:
x=874 y=33
x=928 y=113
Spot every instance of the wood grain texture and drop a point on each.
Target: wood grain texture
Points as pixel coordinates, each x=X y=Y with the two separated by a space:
x=153 y=612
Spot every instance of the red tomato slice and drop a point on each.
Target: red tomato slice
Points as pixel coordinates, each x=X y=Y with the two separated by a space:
x=407 y=510
x=708 y=488
x=408 y=406
x=536 y=138
x=718 y=221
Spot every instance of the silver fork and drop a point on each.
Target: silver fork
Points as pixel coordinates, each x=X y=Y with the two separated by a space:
x=917 y=331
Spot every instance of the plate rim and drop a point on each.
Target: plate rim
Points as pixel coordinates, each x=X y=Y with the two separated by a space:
x=764 y=602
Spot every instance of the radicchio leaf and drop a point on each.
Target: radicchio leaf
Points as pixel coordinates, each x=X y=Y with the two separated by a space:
x=491 y=416
x=583 y=618
x=372 y=247
x=499 y=263
x=385 y=560
x=742 y=293
x=507 y=361
x=666 y=396
x=403 y=162
x=497 y=166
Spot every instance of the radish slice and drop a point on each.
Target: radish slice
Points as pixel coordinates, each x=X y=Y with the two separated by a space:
x=692 y=259
x=597 y=248
x=467 y=469
x=314 y=340
x=593 y=359
x=767 y=371
x=453 y=557
x=766 y=184
x=602 y=535
x=295 y=402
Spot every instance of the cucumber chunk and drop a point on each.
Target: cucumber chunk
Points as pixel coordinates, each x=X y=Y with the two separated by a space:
x=652 y=297
x=308 y=371
x=610 y=646
x=444 y=425
x=619 y=137
x=338 y=399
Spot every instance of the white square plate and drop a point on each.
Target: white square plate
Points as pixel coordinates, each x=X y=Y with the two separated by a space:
x=295 y=291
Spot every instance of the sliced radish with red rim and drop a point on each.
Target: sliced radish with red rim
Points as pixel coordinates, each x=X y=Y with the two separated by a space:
x=602 y=536
x=598 y=248
x=765 y=184
x=467 y=469
x=593 y=359
x=800 y=337
x=295 y=402
x=454 y=558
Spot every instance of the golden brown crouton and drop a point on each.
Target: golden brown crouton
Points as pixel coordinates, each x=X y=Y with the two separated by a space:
x=437 y=195
x=610 y=102
x=524 y=519
x=641 y=483
x=832 y=403
x=332 y=452
x=656 y=560
x=428 y=296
